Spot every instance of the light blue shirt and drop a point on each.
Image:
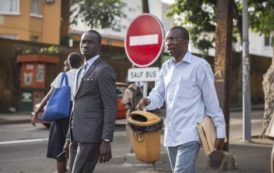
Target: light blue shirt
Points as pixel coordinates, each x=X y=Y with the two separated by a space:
x=91 y=61
x=188 y=90
x=84 y=68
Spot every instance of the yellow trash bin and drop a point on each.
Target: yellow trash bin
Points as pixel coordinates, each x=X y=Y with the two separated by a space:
x=145 y=135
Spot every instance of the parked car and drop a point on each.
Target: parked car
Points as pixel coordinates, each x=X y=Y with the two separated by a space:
x=121 y=109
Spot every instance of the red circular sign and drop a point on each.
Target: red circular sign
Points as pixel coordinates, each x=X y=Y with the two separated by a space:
x=144 y=40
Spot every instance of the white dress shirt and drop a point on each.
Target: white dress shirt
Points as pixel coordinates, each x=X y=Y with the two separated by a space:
x=189 y=92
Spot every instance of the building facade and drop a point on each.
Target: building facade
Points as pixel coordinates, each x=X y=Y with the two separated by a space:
x=31 y=20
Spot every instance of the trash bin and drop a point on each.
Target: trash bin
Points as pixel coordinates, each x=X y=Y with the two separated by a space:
x=145 y=135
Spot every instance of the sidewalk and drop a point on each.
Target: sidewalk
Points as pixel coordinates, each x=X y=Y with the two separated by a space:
x=253 y=157
x=250 y=158
x=14 y=118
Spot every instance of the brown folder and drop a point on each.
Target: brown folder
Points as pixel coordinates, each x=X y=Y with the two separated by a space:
x=207 y=134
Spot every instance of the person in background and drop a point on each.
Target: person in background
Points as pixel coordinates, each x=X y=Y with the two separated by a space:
x=270 y=134
x=94 y=109
x=59 y=128
x=186 y=85
x=131 y=96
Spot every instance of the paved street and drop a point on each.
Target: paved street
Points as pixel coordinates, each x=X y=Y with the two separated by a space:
x=23 y=148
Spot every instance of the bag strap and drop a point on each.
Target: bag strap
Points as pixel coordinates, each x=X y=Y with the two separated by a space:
x=64 y=77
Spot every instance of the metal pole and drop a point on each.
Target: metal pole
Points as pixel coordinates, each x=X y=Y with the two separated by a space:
x=145 y=86
x=245 y=75
x=145 y=5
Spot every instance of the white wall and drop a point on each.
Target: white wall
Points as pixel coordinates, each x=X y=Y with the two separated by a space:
x=257 y=45
x=131 y=10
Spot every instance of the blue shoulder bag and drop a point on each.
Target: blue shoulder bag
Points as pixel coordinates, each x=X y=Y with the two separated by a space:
x=59 y=105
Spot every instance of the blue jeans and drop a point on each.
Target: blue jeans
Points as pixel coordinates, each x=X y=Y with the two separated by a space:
x=182 y=158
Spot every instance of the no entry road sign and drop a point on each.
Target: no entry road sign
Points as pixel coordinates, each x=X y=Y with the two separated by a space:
x=144 y=40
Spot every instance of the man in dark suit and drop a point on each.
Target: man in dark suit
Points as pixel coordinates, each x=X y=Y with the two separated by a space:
x=94 y=109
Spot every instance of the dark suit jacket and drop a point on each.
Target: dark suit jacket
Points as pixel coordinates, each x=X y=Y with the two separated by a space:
x=94 y=109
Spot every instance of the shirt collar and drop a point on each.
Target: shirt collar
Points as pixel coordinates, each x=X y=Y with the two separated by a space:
x=186 y=58
x=89 y=62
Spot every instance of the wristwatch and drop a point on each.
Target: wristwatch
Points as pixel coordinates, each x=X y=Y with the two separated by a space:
x=106 y=140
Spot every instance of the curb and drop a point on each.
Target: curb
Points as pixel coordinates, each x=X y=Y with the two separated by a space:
x=21 y=121
x=5 y=119
x=130 y=160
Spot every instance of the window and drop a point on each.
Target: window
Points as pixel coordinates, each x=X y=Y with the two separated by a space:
x=35 y=8
x=34 y=38
x=116 y=25
x=9 y=36
x=9 y=6
x=267 y=40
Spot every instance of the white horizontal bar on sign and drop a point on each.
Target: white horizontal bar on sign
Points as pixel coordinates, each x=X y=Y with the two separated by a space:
x=143 y=40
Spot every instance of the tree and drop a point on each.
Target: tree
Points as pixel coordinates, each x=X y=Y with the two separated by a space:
x=262 y=16
x=199 y=17
x=96 y=13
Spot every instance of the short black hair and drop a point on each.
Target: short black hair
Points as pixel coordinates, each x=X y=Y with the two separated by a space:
x=183 y=31
x=75 y=59
x=96 y=33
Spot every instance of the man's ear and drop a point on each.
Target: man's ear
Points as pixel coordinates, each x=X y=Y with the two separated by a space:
x=186 y=42
x=99 y=48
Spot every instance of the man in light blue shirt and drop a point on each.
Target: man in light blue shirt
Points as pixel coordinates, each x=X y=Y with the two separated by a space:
x=186 y=85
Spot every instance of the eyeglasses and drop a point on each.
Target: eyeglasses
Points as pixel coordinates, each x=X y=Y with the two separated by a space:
x=173 y=39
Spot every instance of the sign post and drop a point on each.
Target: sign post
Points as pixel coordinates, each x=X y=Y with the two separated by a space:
x=143 y=45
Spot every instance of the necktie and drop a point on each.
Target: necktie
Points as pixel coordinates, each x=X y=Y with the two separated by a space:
x=81 y=74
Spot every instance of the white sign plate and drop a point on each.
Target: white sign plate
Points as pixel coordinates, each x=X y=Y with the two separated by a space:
x=143 y=74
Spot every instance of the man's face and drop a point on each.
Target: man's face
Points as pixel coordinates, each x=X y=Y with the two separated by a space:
x=66 y=66
x=175 y=43
x=89 y=45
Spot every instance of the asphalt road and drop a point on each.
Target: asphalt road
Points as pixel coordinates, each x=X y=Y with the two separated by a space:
x=23 y=148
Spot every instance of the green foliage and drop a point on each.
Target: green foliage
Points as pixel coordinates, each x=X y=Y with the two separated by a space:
x=262 y=16
x=199 y=17
x=96 y=13
x=51 y=50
